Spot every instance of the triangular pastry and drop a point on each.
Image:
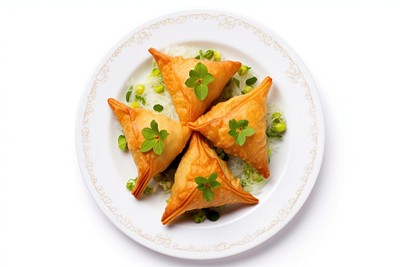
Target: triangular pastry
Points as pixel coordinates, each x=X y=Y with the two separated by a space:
x=133 y=120
x=175 y=72
x=200 y=160
x=252 y=107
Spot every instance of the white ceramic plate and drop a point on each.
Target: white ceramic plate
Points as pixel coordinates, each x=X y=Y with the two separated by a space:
x=294 y=168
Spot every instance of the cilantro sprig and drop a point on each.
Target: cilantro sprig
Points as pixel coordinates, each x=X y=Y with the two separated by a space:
x=239 y=130
x=199 y=78
x=154 y=139
x=206 y=184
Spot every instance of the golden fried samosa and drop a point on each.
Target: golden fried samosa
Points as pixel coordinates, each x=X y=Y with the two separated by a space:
x=251 y=107
x=133 y=121
x=200 y=160
x=175 y=72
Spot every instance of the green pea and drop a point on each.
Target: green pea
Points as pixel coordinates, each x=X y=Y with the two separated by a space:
x=217 y=55
x=135 y=104
x=243 y=70
x=279 y=127
x=131 y=184
x=139 y=89
x=159 y=89
x=199 y=216
x=156 y=72
x=247 y=89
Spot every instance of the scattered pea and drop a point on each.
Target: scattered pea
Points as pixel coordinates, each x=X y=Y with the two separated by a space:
x=156 y=72
x=243 y=70
x=279 y=127
x=199 y=216
x=135 y=104
x=159 y=89
x=247 y=89
x=217 y=55
x=139 y=89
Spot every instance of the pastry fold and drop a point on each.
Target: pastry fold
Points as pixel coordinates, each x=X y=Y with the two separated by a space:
x=214 y=125
x=175 y=72
x=133 y=120
x=200 y=160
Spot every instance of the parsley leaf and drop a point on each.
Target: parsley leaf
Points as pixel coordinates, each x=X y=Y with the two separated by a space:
x=199 y=78
x=158 y=107
x=128 y=94
x=239 y=130
x=140 y=99
x=251 y=81
x=207 y=184
x=154 y=139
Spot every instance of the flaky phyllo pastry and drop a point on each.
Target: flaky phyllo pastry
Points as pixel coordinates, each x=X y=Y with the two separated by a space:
x=201 y=160
x=133 y=121
x=175 y=72
x=252 y=107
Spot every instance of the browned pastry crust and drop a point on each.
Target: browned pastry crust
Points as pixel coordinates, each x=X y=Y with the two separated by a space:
x=201 y=160
x=252 y=107
x=175 y=72
x=133 y=120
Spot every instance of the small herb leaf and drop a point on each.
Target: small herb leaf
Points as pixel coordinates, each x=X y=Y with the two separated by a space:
x=200 y=180
x=158 y=108
x=251 y=81
x=128 y=94
x=240 y=139
x=201 y=91
x=208 y=78
x=248 y=131
x=148 y=145
x=158 y=147
x=208 y=195
x=163 y=134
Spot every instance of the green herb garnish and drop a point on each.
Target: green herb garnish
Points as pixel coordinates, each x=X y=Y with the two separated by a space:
x=122 y=142
x=212 y=215
x=140 y=99
x=251 y=81
x=158 y=107
x=199 y=216
x=237 y=82
x=200 y=56
x=206 y=184
x=209 y=54
x=199 y=78
x=240 y=130
x=128 y=94
x=154 y=139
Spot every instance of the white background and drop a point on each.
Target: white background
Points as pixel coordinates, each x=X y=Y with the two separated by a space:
x=47 y=54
